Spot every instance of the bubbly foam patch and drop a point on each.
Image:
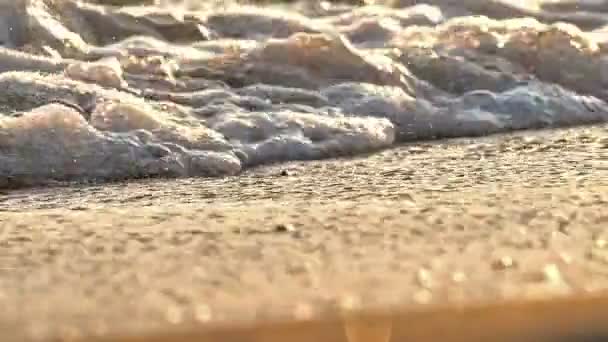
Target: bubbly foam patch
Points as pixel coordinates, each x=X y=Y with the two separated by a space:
x=94 y=92
x=54 y=141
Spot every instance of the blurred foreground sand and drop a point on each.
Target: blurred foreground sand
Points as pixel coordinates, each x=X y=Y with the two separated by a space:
x=512 y=216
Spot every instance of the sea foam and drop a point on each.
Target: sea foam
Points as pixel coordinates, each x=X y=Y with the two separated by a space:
x=107 y=93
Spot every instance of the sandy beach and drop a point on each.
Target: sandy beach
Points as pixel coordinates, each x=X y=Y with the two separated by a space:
x=450 y=221
x=173 y=166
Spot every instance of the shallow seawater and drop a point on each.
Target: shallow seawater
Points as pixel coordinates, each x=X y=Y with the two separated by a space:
x=107 y=93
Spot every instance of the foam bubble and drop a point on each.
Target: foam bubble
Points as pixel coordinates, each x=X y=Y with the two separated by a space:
x=107 y=73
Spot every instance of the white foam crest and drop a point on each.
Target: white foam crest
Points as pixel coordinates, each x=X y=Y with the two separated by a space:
x=286 y=135
x=55 y=142
x=149 y=91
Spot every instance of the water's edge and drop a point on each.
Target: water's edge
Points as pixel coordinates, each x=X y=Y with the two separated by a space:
x=108 y=93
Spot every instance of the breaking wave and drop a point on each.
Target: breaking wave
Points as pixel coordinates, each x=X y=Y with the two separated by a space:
x=101 y=92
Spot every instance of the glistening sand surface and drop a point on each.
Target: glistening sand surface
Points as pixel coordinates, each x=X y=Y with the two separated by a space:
x=441 y=222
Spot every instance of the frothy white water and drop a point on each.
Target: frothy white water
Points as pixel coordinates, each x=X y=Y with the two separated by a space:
x=136 y=92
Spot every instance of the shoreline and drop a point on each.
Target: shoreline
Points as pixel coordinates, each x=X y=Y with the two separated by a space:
x=408 y=225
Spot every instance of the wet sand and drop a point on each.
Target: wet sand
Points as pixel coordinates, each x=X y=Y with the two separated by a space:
x=452 y=221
